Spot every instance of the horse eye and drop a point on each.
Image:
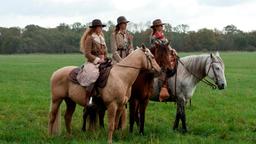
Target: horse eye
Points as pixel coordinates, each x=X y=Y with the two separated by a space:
x=217 y=68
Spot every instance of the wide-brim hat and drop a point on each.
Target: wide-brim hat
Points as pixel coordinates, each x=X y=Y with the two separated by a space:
x=121 y=20
x=157 y=22
x=96 y=23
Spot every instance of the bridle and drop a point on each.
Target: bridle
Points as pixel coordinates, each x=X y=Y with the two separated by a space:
x=207 y=82
x=214 y=71
x=149 y=63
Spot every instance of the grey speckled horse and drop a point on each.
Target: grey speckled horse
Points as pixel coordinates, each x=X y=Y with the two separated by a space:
x=191 y=70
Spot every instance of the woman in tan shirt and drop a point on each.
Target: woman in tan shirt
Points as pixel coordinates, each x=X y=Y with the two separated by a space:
x=121 y=40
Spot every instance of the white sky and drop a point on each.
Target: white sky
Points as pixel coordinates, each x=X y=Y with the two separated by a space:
x=195 y=13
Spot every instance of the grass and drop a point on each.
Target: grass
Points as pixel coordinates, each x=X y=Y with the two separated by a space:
x=227 y=116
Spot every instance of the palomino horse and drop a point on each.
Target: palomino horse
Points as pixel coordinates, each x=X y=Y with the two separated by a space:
x=190 y=71
x=115 y=94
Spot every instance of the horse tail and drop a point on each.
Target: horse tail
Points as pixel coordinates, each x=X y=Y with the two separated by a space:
x=54 y=125
x=92 y=111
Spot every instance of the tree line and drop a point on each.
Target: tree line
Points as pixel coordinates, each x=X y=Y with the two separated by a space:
x=65 y=38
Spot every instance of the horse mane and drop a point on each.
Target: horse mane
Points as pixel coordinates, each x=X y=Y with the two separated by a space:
x=194 y=63
x=161 y=54
x=128 y=61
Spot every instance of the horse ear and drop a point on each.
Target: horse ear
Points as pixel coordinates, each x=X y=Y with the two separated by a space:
x=211 y=55
x=217 y=54
x=143 y=46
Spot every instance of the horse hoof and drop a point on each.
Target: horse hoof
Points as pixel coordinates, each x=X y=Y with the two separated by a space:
x=175 y=128
x=184 y=131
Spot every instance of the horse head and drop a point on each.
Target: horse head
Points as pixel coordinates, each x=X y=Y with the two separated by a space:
x=161 y=53
x=215 y=70
x=149 y=60
x=163 y=56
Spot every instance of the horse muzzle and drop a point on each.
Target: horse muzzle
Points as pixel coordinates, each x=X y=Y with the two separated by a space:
x=221 y=85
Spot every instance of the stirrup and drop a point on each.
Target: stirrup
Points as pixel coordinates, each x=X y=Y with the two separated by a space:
x=164 y=94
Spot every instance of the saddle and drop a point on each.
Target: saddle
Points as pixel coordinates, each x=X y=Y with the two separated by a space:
x=104 y=70
x=73 y=74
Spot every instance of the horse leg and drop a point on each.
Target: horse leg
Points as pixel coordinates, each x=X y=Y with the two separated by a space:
x=101 y=117
x=120 y=120
x=54 y=117
x=180 y=114
x=112 y=109
x=71 y=106
x=123 y=118
x=117 y=118
x=133 y=112
x=137 y=113
x=85 y=114
x=143 y=106
x=183 y=118
x=177 y=118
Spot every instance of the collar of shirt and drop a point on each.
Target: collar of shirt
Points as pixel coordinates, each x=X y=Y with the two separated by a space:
x=98 y=39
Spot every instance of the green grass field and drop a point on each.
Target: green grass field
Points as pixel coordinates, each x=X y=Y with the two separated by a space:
x=227 y=116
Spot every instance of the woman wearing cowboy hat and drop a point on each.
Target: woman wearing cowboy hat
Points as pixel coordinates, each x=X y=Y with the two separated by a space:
x=157 y=41
x=93 y=46
x=121 y=40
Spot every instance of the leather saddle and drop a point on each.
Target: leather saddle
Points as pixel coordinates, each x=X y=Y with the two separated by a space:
x=104 y=69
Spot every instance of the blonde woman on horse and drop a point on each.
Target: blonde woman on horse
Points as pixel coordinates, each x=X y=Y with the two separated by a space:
x=121 y=40
x=94 y=48
x=159 y=41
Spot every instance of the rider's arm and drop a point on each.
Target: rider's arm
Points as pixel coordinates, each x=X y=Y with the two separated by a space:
x=115 y=53
x=88 y=51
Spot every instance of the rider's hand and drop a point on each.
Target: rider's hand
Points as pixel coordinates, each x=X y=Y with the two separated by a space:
x=101 y=61
x=130 y=37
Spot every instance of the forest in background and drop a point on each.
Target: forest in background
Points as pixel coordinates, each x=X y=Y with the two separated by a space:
x=65 y=38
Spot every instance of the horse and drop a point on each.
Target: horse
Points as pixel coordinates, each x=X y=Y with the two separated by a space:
x=115 y=94
x=190 y=71
x=142 y=88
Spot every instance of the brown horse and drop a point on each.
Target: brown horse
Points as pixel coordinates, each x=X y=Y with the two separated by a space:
x=115 y=94
x=142 y=88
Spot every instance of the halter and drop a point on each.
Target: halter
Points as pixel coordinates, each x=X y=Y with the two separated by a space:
x=149 y=64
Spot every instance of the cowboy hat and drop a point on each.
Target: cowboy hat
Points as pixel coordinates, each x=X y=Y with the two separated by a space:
x=121 y=20
x=157 y=22
x=95 y=23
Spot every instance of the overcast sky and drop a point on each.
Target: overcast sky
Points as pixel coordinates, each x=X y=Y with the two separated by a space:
x=195 y=13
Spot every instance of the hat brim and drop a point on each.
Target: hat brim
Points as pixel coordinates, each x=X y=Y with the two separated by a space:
x=97 y=26
x=122 y=23
x=157 y=25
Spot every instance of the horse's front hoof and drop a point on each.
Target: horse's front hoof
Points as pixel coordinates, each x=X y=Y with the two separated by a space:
x=175 y=128
x=184 y=130
x=142 y=133
x=109 y=141
x=69 y=135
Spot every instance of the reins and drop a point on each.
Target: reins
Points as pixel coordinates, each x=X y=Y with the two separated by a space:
x=207 y=82
x=149 y=62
